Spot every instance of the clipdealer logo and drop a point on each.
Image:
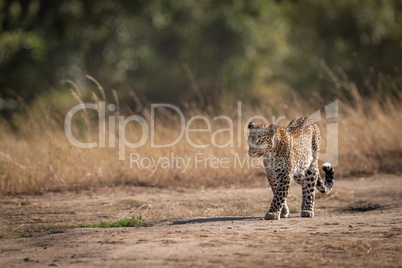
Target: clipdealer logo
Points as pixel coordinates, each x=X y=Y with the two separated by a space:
x=236 y=134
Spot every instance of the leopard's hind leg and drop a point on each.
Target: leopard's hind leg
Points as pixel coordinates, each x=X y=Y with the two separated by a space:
x=311 y=176
x=308 y=186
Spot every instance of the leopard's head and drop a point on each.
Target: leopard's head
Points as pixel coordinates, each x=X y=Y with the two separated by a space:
x=261 y=139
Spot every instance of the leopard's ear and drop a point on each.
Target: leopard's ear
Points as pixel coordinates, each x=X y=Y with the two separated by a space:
x=270 y=128
x=251 y=125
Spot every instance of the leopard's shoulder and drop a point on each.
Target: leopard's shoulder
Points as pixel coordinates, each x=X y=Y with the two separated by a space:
x=299 y=126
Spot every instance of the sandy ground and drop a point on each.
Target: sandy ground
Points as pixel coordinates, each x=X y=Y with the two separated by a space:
x=359 y=224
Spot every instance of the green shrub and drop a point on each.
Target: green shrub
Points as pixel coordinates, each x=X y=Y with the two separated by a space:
x=131 y=222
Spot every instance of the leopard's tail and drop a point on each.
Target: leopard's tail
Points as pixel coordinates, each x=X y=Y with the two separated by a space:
x=326 y=187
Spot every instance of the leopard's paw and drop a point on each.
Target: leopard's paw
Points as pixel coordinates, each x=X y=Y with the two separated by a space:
x=285 y=212
x=272 y=216
x=307 y=214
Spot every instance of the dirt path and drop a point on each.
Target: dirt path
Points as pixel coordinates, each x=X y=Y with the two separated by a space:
x=359 y=224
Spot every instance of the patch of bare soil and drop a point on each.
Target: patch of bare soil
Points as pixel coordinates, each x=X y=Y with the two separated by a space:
x=359 y=224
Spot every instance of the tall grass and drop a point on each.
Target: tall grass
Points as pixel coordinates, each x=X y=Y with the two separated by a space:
x=35 y=155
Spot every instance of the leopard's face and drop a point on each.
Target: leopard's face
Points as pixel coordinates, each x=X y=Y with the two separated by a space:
x=261 y=139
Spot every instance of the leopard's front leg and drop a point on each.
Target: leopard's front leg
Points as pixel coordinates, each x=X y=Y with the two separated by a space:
x=281 y=192
x=273 y=183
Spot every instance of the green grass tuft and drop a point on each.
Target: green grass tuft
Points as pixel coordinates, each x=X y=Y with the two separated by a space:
x=131 y=222
x=49 y=227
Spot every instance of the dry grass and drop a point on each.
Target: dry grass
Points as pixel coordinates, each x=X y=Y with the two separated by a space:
x=37 y=157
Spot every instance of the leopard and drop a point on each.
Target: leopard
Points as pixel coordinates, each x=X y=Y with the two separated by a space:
x=288 y=153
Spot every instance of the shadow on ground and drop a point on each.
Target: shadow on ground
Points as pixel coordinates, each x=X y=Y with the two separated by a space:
x=219 y=219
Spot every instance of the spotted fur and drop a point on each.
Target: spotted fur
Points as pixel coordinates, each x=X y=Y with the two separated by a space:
x=290 y=152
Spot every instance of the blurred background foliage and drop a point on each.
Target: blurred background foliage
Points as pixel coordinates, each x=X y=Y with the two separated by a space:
x=199 y=51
